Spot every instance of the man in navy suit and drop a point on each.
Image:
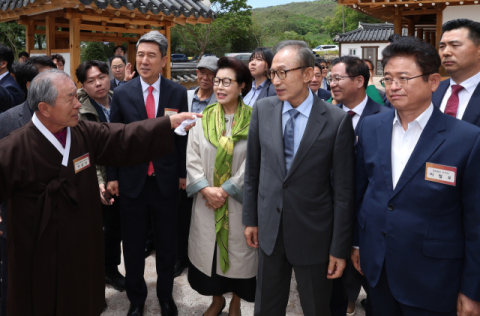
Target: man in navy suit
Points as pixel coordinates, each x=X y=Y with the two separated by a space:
x=459 y=50
x=348 y=81
x=118 y=65
x=10 y=92
x=417 y=184
x=150 y=191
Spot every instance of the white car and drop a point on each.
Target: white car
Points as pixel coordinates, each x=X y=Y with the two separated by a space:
x=325 y=48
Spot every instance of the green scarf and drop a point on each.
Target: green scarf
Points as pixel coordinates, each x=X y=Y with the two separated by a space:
x=213 y=123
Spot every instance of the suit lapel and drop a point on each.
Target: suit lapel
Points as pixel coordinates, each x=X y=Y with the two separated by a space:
x=438 y=95
x=429 y=141
x=315 y=124
x=370 y=108
x=384 y=148
x=165 y=94
x=472 y=112
x=138 y=98
x=277 y=135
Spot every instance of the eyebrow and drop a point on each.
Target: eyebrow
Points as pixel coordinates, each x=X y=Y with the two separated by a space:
x=451 y=42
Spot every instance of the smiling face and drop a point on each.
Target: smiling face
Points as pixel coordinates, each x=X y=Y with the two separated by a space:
x=324 y=69
x=96 y=84
x=258 y=66
x=205 y=79
x=118 y=69
x=316 y=80
x=227 y=95
x=460 y=57
x=347 y=90
x=150 y=61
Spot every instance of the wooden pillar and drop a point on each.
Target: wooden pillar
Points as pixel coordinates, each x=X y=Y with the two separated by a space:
x=132 y=53
x=411 y=27
x=397 y=25
x=432 y=39
x=439 y=25
x=427 y=36
x=420 y=34
x=75 y=20
x=167 y=71
x=50 y=34
x=29 y=37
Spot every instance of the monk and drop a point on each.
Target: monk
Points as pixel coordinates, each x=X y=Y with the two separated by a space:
x=47 y=174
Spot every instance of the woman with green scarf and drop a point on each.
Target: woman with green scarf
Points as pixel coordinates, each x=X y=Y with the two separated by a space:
x=221 y=261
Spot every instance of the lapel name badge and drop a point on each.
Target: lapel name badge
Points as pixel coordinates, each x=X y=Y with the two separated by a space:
x=81 y=163
x=169 y=112
x=441 y=174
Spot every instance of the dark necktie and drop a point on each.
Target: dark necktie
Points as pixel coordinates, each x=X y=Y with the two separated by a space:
x=452 y=103
x=351 y=113
x=289 y=138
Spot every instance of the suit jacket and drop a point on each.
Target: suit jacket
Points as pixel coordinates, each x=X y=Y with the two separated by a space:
x=128 y=106
x=12 y=120
x=191 y=93
x=371 y=108
x=10 y=93
x=317 y=216
x=426 y=233
x=113 y=84
x=472 y=112
x=268 y=90
x=323 y=94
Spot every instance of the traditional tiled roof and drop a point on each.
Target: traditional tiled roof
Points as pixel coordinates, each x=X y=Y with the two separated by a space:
x=368 y=32
x=178 y=8
x=184 y=78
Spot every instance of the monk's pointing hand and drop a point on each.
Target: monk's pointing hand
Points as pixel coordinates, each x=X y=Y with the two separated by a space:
x=177 y=119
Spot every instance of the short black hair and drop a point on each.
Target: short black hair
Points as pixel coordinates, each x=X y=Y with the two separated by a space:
x=116 y=56
x=58 y=57
x=472 y=26
x=42 y=61
x=317 y=64
x=84 y=67
x=23 y=54
x=322 y=61
x=263 y=53
x=393 y=38
x=354 y=67
x=117 y=47
x=25 y=72
x=242 y=73
x=6 y=54
x=426 y=56
x=370 y=63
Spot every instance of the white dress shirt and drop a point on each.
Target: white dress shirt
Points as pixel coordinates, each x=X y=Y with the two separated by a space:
x=301 y=121
x=464 y=95
x=358 y=111
x=155 y=92
x=4 y=74
x=404 y=141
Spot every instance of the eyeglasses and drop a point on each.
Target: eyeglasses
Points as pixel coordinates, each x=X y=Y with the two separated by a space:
x=401 y=82
x=226 y=82
x=281 y=74
x=336 y=79
x=117 y=67
x=324 y=67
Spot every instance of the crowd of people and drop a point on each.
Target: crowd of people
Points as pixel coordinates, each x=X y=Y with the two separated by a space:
x=293 y=164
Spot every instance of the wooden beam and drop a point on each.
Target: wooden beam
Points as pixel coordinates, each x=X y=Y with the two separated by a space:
x=50 y=34
x=105 y=38
x=29 y=38
x=439 y=25
x=115 y=29
x=74 y=30
x=38 y=51
x=411 y=28
x=167 y=71
x=397 y=25
x=419 y=12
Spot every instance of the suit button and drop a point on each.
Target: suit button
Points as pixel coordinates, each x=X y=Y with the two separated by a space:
x=383 y=233
x=285 y=186
x=391 y=207
x=278 y=209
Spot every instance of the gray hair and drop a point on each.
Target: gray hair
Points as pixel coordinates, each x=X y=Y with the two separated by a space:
x=43 y=89
x=157 y=38
x=304 y=56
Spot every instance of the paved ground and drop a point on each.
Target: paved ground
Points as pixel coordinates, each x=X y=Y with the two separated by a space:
x=188 y=301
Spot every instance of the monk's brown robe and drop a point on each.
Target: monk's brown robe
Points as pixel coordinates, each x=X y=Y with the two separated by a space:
x=55 y=237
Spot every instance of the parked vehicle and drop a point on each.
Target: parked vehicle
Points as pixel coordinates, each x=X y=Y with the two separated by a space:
x=325 y=48
x=179 y=58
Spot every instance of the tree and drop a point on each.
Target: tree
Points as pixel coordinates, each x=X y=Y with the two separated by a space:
x=13 y=35
x=333 y=25
x=94 y=51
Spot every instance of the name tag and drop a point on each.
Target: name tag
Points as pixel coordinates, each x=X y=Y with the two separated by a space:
x=441 y=174
x=169 y=112
x=81 y=163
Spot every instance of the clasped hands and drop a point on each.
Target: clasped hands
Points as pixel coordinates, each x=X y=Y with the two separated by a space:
x=214 y=196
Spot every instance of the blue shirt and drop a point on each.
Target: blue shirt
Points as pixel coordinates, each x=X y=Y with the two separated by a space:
x=252 y=96
x=105 y=110
x=199 y=105
x=301 y=121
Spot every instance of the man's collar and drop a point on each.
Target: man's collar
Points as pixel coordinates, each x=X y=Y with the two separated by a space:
x=304 y=108
x=260 y=86
x=155 y=85
x=422 y=119
x=470 y=84
x=4 y=74
x=359 y=108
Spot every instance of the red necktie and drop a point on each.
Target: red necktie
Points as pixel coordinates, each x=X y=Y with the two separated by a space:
x=150 y=107
x=452 y=103
x=351 y=113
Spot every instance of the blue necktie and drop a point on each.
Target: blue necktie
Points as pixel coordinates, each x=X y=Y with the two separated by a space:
x=289 y=138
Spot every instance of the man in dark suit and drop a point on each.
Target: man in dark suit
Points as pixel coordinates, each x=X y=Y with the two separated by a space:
x=349 y=80
x=117 y=65
x=150 y=191
x=10 y=93
x=459 y=50
x=299 y=186
x=417 y=184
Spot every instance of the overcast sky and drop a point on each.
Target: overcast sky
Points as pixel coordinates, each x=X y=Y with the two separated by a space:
x=266 y=3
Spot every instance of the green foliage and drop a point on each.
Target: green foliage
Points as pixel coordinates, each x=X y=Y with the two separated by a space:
x=13 y=35
x=93 y=51
x=333 y=24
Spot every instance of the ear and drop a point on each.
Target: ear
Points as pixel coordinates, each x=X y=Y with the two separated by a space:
x=164 y=61
x=308 y=74
x=360 y=82
x=242 y=86
x=435 y=80
x=28 y=84
x=3 y=64
x=196 y=70
x=44 y=109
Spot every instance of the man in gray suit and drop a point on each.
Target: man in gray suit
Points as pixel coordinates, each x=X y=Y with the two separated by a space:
x=298 y=204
